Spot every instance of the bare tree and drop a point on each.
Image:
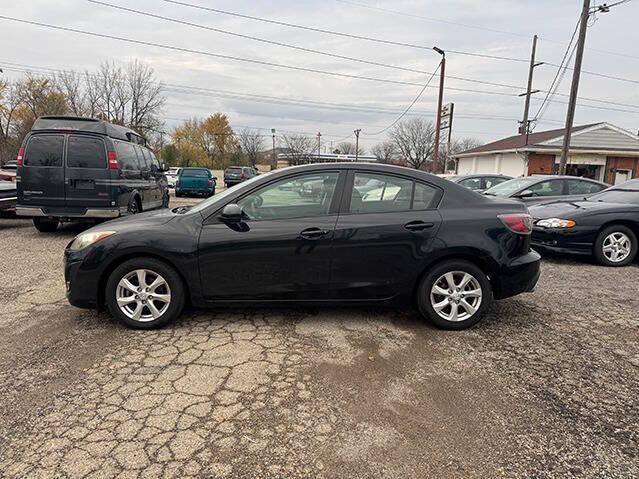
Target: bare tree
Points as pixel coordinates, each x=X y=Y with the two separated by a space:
x=70 y=84
x=415 y=140
x=146 y=98
x=300 y=147
x=251 y=144
x=385 y=152
x=9 y=103
x=348 y=148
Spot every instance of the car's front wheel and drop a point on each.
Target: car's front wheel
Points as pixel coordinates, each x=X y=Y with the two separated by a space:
x=455 y=294
x=616 y=245
x=144 y=293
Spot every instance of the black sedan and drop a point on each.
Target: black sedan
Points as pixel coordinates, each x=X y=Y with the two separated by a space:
x=544 y=188
x=605 y=225
x=418 y=237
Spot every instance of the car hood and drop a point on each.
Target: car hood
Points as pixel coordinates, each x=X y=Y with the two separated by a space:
x=141 y=220
x=570 y=209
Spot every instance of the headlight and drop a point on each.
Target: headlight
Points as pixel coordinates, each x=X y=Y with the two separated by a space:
x=555 y=223
x=86 y=239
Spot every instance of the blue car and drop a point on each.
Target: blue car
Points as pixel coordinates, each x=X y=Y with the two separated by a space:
x=195 y=182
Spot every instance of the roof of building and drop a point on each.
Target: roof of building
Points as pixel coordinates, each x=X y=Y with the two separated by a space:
x=552 y=139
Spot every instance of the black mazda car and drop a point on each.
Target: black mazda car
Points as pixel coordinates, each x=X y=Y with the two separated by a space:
x=414 y=236
x=605 y=225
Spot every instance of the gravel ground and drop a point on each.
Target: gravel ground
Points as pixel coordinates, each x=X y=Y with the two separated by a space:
x=545 y=386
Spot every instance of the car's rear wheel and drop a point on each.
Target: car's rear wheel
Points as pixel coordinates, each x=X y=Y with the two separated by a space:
x=45 y=225
x=454 y=295
x=616 y=245
x=145 y=293
x=134 y=206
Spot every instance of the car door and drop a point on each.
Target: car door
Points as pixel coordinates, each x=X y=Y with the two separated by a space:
x=281 y=250
x=130 y=178
x=145 y=188
x=88 y=178
x=382 y=236
x=41 y=175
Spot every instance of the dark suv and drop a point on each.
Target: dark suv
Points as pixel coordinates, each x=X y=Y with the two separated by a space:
x=79 y=169
x=237 y=174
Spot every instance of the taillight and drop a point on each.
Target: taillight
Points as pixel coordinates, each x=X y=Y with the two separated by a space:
x=517 y=222
x=113 y=160
x=177 y=182
x=210 y=182
x=20 y=156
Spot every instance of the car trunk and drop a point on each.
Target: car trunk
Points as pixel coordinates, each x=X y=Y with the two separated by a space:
x=194 y=182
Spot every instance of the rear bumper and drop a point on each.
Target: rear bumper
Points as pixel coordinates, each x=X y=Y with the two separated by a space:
x=520 y=276
x=8 y=203
x=67 y=212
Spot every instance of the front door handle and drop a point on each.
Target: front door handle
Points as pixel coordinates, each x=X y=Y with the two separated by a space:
x=418 y=225
x=313 y=233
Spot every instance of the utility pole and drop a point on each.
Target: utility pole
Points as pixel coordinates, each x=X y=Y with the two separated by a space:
x=524 y=128
x=319 y=145
x=357 y=132
x=570 y=116
x=442 y=65
x=273 y=157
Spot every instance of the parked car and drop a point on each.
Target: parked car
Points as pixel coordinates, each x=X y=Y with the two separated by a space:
x=604 y=225
x=8 y=196
x=435 y=242
x=8 y=171
x=544 y=188
x=83 y=169
x=195 y=182
x=478 y=182
x=171 y=176
x=237 y=174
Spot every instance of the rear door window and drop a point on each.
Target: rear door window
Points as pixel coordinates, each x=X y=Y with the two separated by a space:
x=548 y=188
x=471 y=183
x=386 y=194
x=581 y=187
x=85 y=152
x=142 y=165
x=424 y=197
x=127 y=159
x=155 y=164
x=491 y=181
x=44 y=150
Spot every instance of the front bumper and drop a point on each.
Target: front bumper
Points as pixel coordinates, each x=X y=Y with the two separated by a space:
x=519 y=276
x=557 y=240
x=37 y=211
x=81 y=286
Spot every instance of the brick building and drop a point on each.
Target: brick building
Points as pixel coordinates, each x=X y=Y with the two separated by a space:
x=600 y=151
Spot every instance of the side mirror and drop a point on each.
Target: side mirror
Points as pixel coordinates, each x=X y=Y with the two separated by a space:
x=526 y=194
x=232 y=213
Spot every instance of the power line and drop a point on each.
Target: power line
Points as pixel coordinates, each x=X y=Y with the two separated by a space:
x=409 y=106
x=295 y=47
x=334 y=32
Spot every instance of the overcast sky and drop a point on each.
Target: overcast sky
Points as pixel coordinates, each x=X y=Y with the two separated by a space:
x=502 y=28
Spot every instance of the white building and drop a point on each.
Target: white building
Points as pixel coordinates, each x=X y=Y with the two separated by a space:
x=600 y=151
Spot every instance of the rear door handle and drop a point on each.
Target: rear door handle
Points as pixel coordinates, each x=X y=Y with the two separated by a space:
x=418 y=225
x=313 y=233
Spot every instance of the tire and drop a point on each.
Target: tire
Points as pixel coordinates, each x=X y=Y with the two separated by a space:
x=45 y=225
x=616 y=245
x=134 y=206
x=172 y=289
x=165 y=200
x=429 y=297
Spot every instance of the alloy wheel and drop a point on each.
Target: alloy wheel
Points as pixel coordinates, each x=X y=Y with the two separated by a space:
x=143 y=295
x=456 y=296
x=616 y=247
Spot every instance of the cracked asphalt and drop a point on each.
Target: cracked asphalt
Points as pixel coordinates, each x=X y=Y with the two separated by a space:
x=546 y=386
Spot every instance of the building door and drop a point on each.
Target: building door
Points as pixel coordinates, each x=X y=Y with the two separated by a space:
x=621 y=176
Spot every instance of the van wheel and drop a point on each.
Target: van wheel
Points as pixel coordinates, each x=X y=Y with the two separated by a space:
x=616 y=245
x=45 y=225
x=134 y=206
x=165 y=200
x=144 y=293
x=454 y=295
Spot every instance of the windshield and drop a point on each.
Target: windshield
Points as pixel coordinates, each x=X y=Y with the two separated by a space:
x=226 y=194
x=509 y=187
x=617 y=195
x=196 y=173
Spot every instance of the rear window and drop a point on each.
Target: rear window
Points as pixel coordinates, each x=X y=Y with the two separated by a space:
x=234 y=170
x=85 y=152
x=196 y=173
x=44 y=150
x=127 y=159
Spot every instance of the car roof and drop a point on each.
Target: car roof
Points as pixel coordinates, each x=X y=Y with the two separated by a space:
x=87 y=125
x=483 y=175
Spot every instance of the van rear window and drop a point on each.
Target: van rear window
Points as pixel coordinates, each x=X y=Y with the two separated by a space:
x=84 y=152
x=44 y=150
